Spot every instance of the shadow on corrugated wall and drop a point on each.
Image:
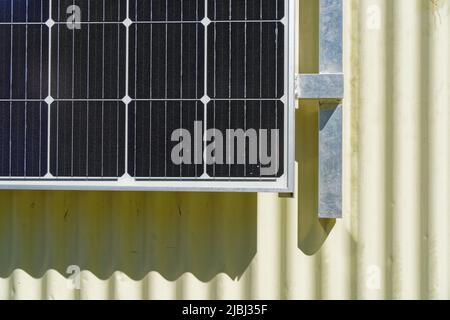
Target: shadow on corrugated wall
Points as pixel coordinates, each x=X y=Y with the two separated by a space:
x=135 y=233
x=312 y=232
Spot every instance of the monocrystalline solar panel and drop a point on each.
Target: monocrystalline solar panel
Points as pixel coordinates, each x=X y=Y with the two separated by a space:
x=104 y=11
x=87 y=139
x=167 y=10
x=247 y=61
x=246 y=10
x=88 y=63
x=146 y=94
x=23 y=139
x=248 y=114
x=24 y=11
x=23 y=62
x=151 y=124
x=167 y=61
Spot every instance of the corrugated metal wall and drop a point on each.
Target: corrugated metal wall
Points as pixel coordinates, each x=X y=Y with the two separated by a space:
x=393 y=242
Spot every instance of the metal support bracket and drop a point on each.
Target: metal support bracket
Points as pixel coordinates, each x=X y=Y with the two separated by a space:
x=328 y=87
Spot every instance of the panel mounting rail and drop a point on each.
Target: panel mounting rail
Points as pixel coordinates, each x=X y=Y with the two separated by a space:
x=328 y=87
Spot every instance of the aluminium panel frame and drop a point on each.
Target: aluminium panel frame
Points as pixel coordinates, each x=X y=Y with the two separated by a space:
x=284 y=184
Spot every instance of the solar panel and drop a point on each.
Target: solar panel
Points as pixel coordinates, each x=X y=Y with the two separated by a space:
x=146 y=94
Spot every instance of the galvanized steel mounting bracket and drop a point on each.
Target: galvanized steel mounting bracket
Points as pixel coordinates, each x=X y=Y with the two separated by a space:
x=328 y=87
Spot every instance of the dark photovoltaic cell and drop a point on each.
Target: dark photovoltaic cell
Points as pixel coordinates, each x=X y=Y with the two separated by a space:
x=257 y=115
x=246 y=60
x=167 y=10
x=87 y=139
x=151 y=125
x=24 y=10
x=91 y=10
x=23 y=139
x=23 y=62
x=123 y=80
x=245 y=9
x=88 y=63
x=167 y=61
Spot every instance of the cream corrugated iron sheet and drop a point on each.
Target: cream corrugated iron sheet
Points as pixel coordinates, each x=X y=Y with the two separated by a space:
x=393 y=242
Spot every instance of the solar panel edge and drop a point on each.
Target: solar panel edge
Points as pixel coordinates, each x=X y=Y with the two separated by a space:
x=281 y=85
